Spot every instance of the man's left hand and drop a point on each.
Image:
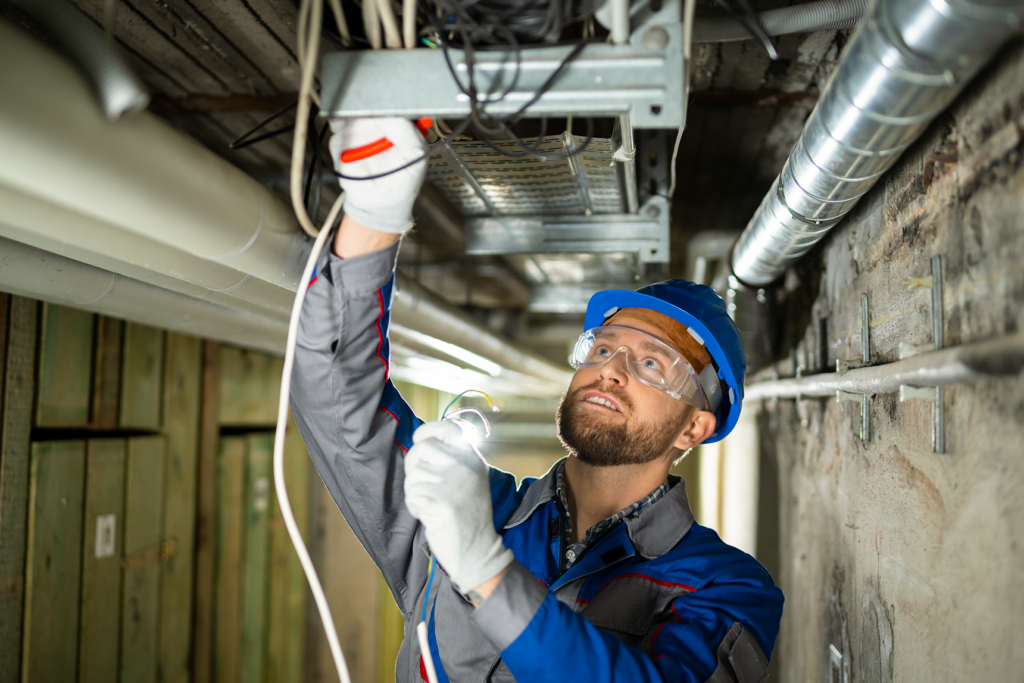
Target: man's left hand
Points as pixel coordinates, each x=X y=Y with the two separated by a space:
x=447 y=489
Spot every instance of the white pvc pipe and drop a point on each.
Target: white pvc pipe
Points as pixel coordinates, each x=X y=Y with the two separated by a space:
x=138 y=199
x=740 y=472
x=164 y=197
x=37 y=274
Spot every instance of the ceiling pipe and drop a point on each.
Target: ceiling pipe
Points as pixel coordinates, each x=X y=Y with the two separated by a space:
x=136 y=197
x=820 y=15
x=1001 y=357
x=37 y=274
x=140 y=200
x=436 y=318
x=906 y=63
x=117 y=88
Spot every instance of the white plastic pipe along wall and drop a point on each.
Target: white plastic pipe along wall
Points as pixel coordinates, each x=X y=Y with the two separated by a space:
x=729 y=478
x=740 y=475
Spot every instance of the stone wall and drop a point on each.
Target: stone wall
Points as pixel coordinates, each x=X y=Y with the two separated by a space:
x=908 y=562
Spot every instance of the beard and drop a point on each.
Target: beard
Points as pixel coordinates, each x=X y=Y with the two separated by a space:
x=604 y=445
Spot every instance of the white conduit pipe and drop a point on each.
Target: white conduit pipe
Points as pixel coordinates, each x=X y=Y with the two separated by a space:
x=140 y=200
x=820 y=15
x=437 y=319
x=169 y=204
x=118 y=89
x=37 y=274
x=967 y=363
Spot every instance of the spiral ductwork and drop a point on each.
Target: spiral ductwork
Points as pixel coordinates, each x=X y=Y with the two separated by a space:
x=906 y=63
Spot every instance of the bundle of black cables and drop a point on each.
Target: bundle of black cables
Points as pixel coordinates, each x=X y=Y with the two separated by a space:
x=474 y=25
x=529 y=21
x=469 y=26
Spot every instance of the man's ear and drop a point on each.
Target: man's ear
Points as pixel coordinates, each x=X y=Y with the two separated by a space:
x=699 y=425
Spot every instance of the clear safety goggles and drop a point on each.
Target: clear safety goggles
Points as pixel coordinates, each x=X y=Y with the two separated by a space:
x=648 y=359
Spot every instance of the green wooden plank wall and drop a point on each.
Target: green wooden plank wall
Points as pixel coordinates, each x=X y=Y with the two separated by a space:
x=99 y=557
x=286 y=630
x=106 y=376
x=182 y=388
x=230 y=550
x=18 y=326
x=249 y=387
x=255 y=572
x=140 y=602
x=141 y=374
x=101 y=560
x=53 y=562
x=65 y=367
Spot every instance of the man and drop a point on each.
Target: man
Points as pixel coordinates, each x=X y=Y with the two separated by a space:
x=597 y=570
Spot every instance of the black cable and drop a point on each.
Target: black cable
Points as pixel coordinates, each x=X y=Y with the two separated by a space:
x=245 y=141
x=500 y=23
x=458 y=130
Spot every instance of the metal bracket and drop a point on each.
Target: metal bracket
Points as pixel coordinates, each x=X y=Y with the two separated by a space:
x=459 y=166
x=645 y=233
x=644 y=78
x=934 y=394
x=862 y=361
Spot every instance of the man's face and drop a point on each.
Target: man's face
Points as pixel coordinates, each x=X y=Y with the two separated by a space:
x=641 y=424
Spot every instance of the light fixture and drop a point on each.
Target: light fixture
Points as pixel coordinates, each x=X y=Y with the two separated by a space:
x=488 y=366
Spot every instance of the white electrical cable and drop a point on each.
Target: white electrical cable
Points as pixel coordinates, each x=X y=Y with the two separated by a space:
x=672 y=169
x=311 y=13
x=371 y=24
x=409 y=23
x=339 y=19
x=279 y=434
x=392 y=36
x=314 y=11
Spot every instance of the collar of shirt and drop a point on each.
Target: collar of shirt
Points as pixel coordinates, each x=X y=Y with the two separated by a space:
x=574 y=550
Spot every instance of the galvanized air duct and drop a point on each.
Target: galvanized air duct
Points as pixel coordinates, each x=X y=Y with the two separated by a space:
x=142 y=201
x=906 y=63
x=820 y=15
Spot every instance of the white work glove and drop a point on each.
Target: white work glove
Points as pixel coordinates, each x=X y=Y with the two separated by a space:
x=447 y=489
x=385 y=203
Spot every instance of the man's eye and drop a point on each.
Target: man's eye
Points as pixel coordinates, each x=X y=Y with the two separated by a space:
x=602 y=351
x=651 y=364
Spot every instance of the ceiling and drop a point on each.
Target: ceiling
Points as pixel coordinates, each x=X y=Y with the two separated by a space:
x=217 y=68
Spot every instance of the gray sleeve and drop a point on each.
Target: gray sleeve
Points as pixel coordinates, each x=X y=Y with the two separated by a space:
x=507 y=611
x=353 y=420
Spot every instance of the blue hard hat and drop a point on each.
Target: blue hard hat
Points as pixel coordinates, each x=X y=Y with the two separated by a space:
x=701 y=310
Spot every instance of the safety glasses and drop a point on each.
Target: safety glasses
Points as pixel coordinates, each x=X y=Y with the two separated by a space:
x=648 y=360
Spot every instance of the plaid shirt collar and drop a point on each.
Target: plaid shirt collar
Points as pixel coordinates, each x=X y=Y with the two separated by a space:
x=575 y=550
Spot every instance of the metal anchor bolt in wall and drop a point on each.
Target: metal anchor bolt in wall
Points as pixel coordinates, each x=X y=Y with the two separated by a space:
x=934 y=394
x=863 y=361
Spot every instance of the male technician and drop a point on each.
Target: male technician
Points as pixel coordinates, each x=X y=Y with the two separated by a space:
x=594 y=572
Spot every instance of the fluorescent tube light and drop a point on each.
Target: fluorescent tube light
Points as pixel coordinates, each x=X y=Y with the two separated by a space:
x=488 y=366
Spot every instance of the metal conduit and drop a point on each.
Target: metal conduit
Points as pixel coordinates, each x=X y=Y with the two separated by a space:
x=966 y=363
x=139 y=200
x=906 y=63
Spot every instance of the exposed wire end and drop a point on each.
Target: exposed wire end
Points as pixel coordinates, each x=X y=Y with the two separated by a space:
x=487 y=398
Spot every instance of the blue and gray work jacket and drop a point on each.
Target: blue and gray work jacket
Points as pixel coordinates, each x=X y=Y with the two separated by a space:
x=657 y=598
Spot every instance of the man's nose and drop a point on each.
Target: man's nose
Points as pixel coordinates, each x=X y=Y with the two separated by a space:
x=617 y=367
